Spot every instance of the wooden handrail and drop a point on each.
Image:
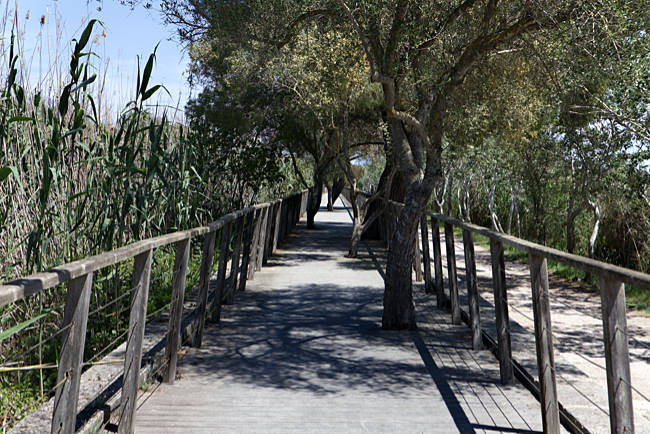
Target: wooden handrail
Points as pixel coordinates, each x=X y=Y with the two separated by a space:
x=22 y=288
x=589 y=265
x=79 y=276
x=612 y=294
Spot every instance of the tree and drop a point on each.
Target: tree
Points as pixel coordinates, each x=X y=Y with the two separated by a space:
x=421 y=54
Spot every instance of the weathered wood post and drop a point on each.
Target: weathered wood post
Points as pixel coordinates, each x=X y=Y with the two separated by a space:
x=544 y=344
x=472 y=289
x=437 y=263
x=252 y=260
x=236 y=257
x=417 y=258
x=270 y=231
x=501 y=311
x=617 y=356
x=141 y=275
x=75 y=318
x=283 y=219
x=451 y=274
x=176 y=309
x=204 y=283
x=224 y=249
x=261 y=240
x=248 y=241
x=424 y=229
x=276 y=226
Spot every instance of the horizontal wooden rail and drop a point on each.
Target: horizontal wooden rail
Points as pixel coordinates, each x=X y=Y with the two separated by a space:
x=270 y=222
x=25 y=287
x=593 y=266
x=611 y=277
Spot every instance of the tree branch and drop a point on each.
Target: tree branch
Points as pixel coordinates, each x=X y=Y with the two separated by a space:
x=297 y=169
x=291 y=29
x=395 y=34
x=453 y=16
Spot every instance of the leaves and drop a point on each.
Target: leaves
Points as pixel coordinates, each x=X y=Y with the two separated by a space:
x=6 y=334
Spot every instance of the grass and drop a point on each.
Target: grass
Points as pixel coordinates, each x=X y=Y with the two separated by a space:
x=636 y=298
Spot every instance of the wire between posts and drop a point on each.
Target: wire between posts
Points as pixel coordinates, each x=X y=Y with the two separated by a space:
x=35 y=346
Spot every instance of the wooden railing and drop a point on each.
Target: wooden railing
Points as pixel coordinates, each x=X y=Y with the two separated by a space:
x=612 y=292
x=256 y=232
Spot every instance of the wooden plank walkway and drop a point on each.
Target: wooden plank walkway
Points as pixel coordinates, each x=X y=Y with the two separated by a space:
x=302 y=351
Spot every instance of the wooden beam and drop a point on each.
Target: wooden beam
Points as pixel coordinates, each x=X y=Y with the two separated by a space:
x=133 y=359
x=236 y=257
x=617 y=356
x=501 y=311
x=544 y=345
x=224 y=250
x=472 y=290
x=451 y=274
x=424 y=232
x=176 y=309
x=204 y=284
x=248 y=241
x=417 y=259
x=75 y=319
x=437 y=263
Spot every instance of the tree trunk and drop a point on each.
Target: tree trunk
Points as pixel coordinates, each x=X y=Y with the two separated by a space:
x=399 y=311
x=313 y=203
x=571 y=230
x=594 y=235
x=337 y=188
x=330 y=204
x=357 y=231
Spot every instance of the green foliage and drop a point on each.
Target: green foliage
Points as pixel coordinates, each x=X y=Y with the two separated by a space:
x=71 y=187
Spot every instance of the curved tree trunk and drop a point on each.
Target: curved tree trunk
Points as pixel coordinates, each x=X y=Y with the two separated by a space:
x=399 y=311
x=313 y=202
x=330 y=201
x=357 y=231
x=337 y=188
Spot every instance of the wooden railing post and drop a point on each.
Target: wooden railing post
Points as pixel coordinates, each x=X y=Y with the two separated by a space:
x=472 y=289
x=261 y=240
x=417 y=258
x=451 y=274
x=252 y=261
x=544 y=344
x=141 y=274
x=268 y=239
x=246 y=256
x=501 y=311
x=437 y=262
x=176 y=309
x=75 y=317
x=617 y=356
x=236 y=256
x=224 y=249
x=276 y=225
x=204 y=283
x=424 y=229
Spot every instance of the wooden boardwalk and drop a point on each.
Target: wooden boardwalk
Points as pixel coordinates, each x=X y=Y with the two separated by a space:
x=302 y=351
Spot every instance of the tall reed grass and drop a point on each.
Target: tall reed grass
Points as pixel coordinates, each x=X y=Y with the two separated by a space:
x=73 y=184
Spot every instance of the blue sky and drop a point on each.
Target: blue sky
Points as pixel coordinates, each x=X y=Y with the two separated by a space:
x=126 y=34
